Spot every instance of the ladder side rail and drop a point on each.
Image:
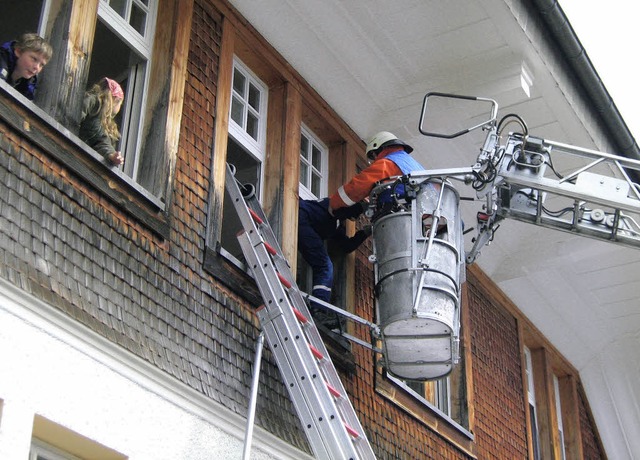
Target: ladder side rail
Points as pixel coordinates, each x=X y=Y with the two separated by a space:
x=303 y=378
x=628 y=163
x=569 y=190
x=584 y=228
x=313 y=335
x=256 y=225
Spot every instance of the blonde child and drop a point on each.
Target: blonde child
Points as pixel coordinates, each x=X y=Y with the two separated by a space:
x=97 y=126
x=22 y=60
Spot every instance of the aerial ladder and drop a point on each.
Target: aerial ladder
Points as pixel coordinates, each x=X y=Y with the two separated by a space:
x=419 y=258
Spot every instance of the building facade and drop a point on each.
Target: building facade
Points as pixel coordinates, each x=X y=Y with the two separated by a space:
x=127 y=318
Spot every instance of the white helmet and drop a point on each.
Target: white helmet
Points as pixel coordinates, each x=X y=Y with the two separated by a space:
x=382 y=140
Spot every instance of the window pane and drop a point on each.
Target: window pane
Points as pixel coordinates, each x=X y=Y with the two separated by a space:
x=119 y=6
x=237 y=111
x=254 y=97
x=138 y=19
x=252 y=126
x=239 y=82
x=304 y=174
x=316 y=158
x=304 y=147
x=315 y=185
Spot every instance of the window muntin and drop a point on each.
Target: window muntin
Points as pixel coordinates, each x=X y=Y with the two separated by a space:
x=313 y=165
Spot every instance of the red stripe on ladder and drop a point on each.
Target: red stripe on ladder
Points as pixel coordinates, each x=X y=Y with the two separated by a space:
x=316 y=352
x=333 y=391
x=352 y=432
x=303 y=319
x=256 y=217
x=284 y=281
x=270 y=249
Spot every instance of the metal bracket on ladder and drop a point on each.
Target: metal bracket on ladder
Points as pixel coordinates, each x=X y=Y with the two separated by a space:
x=327 y=416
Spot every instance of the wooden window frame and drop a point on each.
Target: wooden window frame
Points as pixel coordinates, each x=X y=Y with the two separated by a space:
x=57 y=109
x=547 y=364
x=291 y=103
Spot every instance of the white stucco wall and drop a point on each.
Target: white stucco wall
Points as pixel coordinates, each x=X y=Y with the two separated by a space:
x=51 y=366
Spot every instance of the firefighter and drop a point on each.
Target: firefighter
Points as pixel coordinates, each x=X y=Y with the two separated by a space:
x=390 y=157
x=315 y=226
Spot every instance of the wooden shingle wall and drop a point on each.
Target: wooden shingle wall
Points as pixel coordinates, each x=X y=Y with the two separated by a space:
x=497 y=378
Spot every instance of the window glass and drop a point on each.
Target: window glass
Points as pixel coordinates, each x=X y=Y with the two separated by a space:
x=247 y=111
x=135 y=13
x=436 y=392
x=313 y=165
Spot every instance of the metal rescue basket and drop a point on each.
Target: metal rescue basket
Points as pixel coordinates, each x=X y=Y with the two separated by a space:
x=419 y=267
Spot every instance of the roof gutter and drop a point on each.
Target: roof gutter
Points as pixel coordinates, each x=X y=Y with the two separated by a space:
x=567 y=43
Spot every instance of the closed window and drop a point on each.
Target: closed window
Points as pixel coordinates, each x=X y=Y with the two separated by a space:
x=313 y=165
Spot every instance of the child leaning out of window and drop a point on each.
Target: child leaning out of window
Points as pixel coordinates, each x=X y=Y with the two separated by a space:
x=22 y=60
x=97 y=126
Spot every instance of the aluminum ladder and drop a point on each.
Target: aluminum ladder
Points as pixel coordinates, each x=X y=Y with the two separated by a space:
x=321 y=402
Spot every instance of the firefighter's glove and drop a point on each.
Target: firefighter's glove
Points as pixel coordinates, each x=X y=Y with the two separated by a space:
x=349 y=212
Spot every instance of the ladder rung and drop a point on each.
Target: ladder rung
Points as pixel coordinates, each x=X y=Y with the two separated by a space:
x=316 y=352
x=284 y=281
x=333 y=391
x=303 y=319
x=255 y=216
x=352 y=432
x=270 y=249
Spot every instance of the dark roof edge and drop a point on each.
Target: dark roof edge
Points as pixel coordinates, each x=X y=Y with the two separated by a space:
x=567 y=43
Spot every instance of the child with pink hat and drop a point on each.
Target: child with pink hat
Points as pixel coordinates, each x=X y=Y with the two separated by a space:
x=97 y=125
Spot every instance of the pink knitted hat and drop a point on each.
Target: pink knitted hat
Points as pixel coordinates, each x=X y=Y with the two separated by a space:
x=115 y=88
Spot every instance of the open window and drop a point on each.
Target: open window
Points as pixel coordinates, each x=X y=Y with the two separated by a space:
x=20 y=17
x=246 y=148
x=313 y=185
x=122 y=50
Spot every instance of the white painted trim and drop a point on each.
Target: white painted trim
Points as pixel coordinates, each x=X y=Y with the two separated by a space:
x=62 y=327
